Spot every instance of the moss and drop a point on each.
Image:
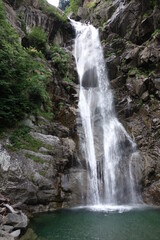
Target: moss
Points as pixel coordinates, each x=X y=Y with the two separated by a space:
x=155 y=32
x=92 y=5
x=42 y=173
x=52 y=11
x=47 y=115
x=21 y=139
x=35 y=158
x=138 y=72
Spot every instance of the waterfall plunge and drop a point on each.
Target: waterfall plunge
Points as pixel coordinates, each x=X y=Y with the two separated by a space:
x=106 y=146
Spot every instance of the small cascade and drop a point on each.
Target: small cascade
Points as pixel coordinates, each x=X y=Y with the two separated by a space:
x=106 y=146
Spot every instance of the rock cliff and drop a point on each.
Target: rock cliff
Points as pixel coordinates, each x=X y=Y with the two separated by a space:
x=42 y=172
x=130 y=35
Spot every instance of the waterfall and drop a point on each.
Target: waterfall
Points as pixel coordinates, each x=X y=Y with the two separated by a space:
x=105 y=145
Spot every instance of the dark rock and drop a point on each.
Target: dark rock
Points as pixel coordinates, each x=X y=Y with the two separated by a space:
x=29 y=235
x=82 y=13
x=156 y=82
x=151 y=195
x=112 y=66
x=89 y=79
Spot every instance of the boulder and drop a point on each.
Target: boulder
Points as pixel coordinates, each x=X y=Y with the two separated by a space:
x=4 y=159
x=15 y=233
x=46 y=139
x=17 y=220
x=82 y=13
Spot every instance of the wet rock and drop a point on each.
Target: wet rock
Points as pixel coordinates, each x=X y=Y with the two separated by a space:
x=29 y=235
x=4 y=159
x=151 y=195
x=112 y=66
x=89 y=79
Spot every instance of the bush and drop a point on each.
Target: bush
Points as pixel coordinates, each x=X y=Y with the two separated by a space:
x=23 y=80
x=74 y=5
x=51 y=10
x=37 y=39
x=60 y=60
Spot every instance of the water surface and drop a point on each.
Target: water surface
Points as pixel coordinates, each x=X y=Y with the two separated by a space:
x=86 y=224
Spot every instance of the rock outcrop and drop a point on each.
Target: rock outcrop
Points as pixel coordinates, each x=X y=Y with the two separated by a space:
x=130 y=37
x=24 y=15
x=43 y=173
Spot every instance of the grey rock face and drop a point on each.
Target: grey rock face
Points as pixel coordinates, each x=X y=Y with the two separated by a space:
x=17 y=220
x=131 y=42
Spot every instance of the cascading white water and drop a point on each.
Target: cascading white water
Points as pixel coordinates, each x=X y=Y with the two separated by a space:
x=106 y=146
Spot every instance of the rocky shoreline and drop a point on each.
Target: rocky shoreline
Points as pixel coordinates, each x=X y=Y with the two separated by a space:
x=12 y=220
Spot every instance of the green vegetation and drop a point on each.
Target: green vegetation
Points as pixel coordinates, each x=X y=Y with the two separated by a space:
x=21 y=139
x=52 y=11
x=23 y=79
x=48 y=115
x=35 y=158
x=137 y=71
x=37 y=39
x=155 y=32
x=153 y=3
x=61 y=62
x=60 y=59
x=73 y=6
x=92 y=5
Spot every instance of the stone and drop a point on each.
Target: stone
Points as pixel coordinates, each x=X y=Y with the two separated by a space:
x=4 y=159
x=3 y=199
x=82 y=12
x=156 y=82
x=145 y=96
x=15 y=233
x=46 y=139
x=39 y=155
x=7 y=238
x=44 y=195
x=140 y=85
x=42 y=182
x=29 y=235
x=17 y=220
x=28 y=123
x=7 y=228
x=151 y=195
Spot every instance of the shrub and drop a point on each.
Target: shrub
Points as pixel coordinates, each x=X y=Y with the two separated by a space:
x=60 y=60
x=23 y=80
x=37 y=39
x=74 y=5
